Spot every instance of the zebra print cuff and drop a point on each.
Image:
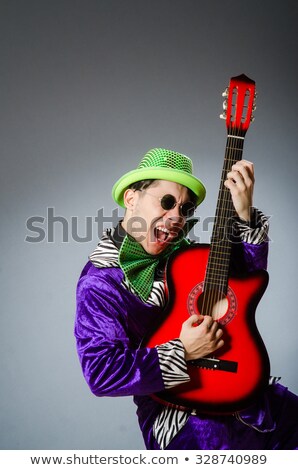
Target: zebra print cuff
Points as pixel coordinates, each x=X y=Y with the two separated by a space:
x=167 y=424
x=172 y=363
x=255 y=231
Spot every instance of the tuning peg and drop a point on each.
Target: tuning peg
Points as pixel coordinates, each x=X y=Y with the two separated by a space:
x=223 y=115
x=252 y=119
x=254 y=107
x=225 y=105
x=225 y=93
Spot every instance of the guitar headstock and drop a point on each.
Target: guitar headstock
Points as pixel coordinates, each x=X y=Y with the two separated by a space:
x=239 y=104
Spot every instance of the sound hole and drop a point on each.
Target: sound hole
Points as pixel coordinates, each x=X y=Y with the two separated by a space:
x=213 y=303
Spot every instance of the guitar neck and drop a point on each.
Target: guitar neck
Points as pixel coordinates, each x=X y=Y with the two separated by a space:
x=238 y=108
x=219 y=257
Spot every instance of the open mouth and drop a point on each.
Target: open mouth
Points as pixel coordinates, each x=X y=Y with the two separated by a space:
x=161 y=234
x=164 y=235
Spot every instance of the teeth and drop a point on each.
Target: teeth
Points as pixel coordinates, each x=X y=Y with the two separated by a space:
x=165 y=230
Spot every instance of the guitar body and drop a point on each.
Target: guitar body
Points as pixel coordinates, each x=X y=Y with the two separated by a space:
x=198 y=282
x=237 y=372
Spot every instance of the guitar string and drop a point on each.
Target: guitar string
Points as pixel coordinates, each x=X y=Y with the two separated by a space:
x=233 y=148
x=214 y=295
x=233 y=154
x=222 y=217
x=209 y=296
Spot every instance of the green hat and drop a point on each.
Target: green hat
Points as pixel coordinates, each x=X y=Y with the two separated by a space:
x=161 y=164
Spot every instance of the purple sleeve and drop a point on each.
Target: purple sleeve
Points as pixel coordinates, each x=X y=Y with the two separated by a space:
x=250 y=243
x=255 y=256
x=111 y=366
x=247 y=257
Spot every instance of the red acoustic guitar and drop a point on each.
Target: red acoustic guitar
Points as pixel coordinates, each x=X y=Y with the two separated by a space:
x=198 y=282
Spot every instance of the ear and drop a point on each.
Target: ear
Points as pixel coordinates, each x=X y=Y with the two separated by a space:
x=129 y=198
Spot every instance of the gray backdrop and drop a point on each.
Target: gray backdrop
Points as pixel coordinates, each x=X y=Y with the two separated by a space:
x=87 y=87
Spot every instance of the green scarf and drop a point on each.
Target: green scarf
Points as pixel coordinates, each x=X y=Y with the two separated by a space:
x=139 y=266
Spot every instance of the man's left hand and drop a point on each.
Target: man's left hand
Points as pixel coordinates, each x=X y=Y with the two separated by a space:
x=240 y=181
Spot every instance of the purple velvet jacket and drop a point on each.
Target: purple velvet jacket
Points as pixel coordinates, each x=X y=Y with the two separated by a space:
x=110 y=323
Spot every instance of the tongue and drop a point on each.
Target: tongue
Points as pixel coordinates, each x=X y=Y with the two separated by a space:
x=160 y=235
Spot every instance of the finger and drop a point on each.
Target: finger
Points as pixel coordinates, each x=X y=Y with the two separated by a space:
x=246 y=169
x=246 y=164
x=208 y=322
x=246 y=174
x=218 y=333
x=230 y=184
x=194 y=319
x=214 y=327
x=237 y=179
x=220 y=344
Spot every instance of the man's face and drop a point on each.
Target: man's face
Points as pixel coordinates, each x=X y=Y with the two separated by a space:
x=152 y=226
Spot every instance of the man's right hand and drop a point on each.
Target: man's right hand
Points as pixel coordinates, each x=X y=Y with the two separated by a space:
x=200 y=336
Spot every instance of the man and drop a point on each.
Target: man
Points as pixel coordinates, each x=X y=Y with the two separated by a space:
x=122 y=291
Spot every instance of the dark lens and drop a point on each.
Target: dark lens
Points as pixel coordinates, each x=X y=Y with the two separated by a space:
x=188 y=209
x=167 y=202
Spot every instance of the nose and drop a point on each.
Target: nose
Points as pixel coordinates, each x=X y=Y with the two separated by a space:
x=174 y=219
x=174 y=212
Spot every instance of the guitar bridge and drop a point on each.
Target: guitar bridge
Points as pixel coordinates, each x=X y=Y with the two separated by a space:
x=214 y=364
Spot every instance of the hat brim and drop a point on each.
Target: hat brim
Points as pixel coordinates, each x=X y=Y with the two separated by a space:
x=168 y=174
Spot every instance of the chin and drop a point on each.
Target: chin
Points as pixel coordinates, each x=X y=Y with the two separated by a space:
x=157 y=249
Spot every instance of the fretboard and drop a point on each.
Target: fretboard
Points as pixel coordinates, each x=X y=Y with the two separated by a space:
x=219 y=257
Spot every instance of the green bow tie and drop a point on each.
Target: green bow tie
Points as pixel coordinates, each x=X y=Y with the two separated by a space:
x=139 y=266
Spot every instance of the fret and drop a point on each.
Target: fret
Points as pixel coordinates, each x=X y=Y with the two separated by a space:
x=217 y=290
x=229 y=147
x=235 y=144
x=216 y=274
x=221 y=249
x=217 y=270
x=217 y=284
x=218 y=255
x=219 y=239
x=216 y=279
x=225 y=203
x=220 y=230
x=237 y=140
x=215 y=287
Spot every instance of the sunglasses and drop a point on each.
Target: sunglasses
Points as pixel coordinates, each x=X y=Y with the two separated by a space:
x=168 y=202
